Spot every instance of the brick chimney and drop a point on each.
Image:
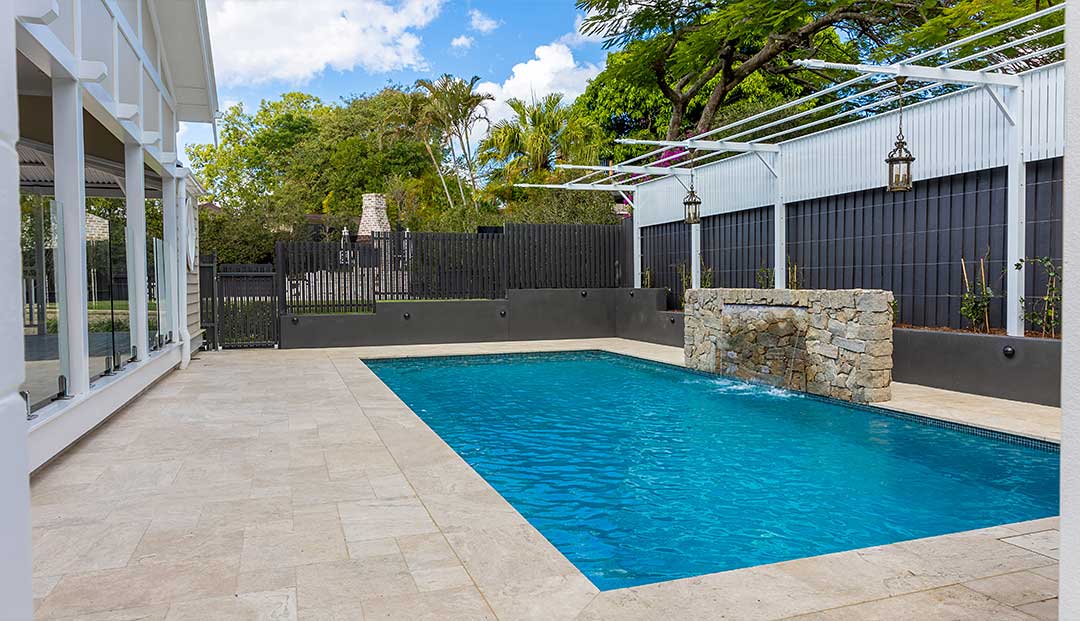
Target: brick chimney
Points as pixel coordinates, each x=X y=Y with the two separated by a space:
x=373 y=219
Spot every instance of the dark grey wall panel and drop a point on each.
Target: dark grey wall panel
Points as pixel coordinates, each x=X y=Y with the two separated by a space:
x=975 y=363
x=665 y=251
x=736 y=245
x=530 y=314
x=641 y=315
x=1044 y=209
x=561 y=313
x=465 y=321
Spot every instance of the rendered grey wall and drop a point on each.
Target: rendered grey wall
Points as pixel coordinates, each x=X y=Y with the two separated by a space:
x=974 y=363
x=641 y=315
x=530 y=314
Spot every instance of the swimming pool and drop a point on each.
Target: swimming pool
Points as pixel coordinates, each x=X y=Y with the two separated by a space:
x=640 y=472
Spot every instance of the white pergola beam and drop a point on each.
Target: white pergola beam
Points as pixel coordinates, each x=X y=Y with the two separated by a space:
x=918 y=72
x=706 y=145
x=605 y=187
x=622 y=168
x=43 y=12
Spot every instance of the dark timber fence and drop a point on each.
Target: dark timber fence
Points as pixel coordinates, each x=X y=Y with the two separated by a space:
x=554 y=256
x=909 y=243
x=736 y=248
x=665 y=259
x=326 y=277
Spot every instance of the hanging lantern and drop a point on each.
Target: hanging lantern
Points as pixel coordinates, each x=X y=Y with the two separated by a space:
x=900 y=158
x=692 y=206
x=692 y=203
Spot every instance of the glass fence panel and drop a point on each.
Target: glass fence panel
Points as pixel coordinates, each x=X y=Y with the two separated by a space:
x=107 y=295
x=45 y=351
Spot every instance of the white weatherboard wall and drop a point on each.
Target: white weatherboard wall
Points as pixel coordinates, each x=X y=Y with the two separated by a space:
x=16 y=595
x=1069 y=581
x=958 y=133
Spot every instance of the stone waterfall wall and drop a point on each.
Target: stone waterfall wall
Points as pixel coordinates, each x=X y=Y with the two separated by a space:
x=832 y=343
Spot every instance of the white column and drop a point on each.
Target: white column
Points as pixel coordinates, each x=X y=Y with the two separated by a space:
x=1069 y=580
x=168 y=224
x=70 y=191
x=1016 y=214
x=695 y=256
x=182 y=268
x=779 y=228
x=135 y=194
x=16 y=593
x=637 y=253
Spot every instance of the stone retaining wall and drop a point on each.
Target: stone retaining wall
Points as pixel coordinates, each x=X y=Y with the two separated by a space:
x=832 y=343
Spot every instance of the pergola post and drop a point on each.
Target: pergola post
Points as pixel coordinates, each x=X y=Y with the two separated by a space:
x=695 y=256
x=182 y=233
x=1016 y=212
x=135 y=194
x=70 y=192
x=779 y=227
x=637 y=252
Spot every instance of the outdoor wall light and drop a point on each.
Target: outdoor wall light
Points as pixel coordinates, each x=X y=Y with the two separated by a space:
x=295 y=320
x=584 y=293
x=671 y=319
x=502 y=313
x=900 y=158
x=631 y=293
x=1008 y=351
x=406 y=315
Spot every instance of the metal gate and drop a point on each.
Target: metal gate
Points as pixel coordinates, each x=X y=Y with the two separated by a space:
x=247 y=305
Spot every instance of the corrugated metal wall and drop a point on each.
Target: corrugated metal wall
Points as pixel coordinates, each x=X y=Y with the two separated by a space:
x=960 y=133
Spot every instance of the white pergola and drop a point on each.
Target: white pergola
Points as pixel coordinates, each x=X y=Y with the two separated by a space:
x=992 y=68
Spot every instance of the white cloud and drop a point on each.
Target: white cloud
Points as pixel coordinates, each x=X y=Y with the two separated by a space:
x=575 y=38
x=482 y=23
x=462 y=42
x=259 y=41
x=553 y=69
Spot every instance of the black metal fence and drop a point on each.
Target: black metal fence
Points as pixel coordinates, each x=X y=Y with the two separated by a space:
x=440 y=266
x=208 y=308
x=326 y=277
x=247 y=305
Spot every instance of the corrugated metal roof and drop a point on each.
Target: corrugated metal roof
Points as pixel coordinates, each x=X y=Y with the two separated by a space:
x=103 y=177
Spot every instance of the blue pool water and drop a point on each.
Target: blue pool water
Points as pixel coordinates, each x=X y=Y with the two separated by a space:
x=641 y=472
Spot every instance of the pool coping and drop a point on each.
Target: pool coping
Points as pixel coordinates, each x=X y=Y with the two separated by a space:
x=522 y=575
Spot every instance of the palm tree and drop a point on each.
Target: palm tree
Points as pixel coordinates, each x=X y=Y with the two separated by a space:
x=539 y=135
x=413 y=116
x=456 y=107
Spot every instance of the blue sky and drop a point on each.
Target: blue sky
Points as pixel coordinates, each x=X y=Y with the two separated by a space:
x=335 y=48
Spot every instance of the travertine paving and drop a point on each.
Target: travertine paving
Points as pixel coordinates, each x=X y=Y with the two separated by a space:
x=294 y=484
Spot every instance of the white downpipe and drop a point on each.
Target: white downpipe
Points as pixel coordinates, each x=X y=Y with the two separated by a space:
x=168 y=223
x=16 y=591
x=182 y=208
x=637 y=251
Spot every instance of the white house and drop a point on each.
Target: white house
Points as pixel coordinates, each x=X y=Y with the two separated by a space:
x=92 y=93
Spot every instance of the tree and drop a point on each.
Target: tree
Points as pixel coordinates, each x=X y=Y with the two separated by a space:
x=539 y=135
x=456 y=108
x=710 y=47
x=413 y=116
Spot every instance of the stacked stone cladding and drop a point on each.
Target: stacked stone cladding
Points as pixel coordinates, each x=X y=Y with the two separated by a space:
x=832 y=343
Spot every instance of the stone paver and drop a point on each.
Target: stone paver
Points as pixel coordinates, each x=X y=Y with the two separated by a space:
x=295 y=485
